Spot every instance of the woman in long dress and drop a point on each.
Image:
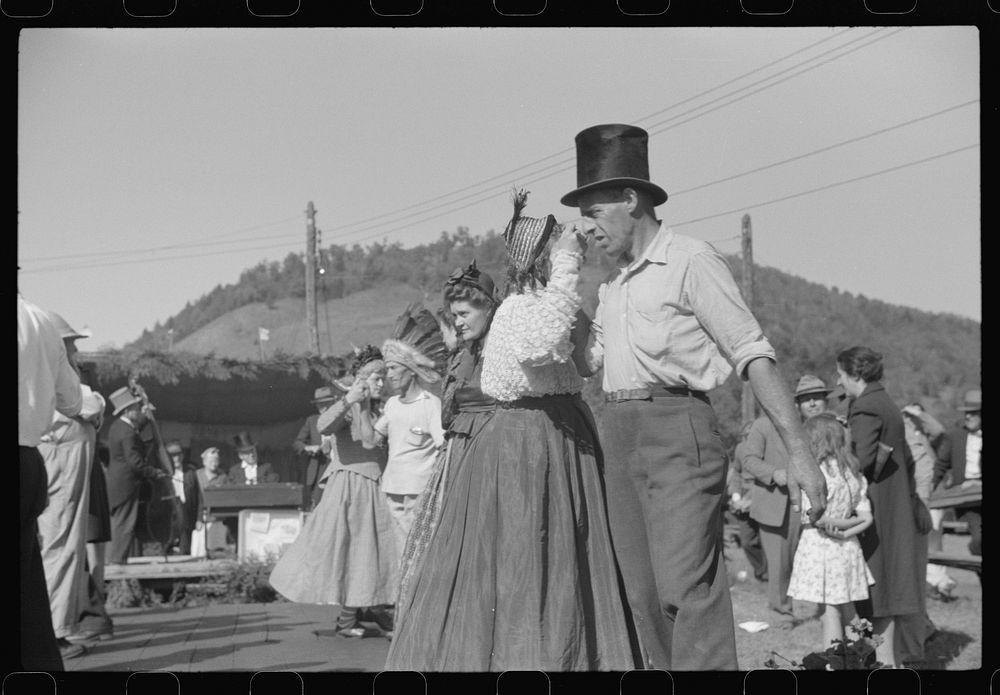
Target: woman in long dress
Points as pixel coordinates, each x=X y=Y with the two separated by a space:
x=345 y=554
x=519 y=572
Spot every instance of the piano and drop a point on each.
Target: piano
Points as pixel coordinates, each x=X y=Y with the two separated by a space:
x=228 y=500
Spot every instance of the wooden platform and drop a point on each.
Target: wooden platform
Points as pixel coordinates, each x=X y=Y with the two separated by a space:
x=961 y=561
x=173 y=567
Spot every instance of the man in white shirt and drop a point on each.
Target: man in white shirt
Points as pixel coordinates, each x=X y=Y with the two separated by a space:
x=411 y=426
x=68 y=449
x=47 y=383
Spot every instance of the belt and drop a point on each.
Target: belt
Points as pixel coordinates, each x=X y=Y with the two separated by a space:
x=649 y=393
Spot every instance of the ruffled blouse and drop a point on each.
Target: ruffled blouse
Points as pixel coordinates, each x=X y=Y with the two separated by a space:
x=528 y=351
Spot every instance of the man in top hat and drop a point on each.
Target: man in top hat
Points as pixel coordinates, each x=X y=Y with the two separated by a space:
x=68 y=448
x=127 y=468
x=766 y=459
x=410 y=425
x=186 y=488
x=46 y=384
x=250 y=471
x=670 y=325
x=310 y=445
x=960 y=461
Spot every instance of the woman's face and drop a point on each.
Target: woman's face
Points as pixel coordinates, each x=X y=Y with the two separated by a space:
x=853 y=386
x=212 y=463
x=470 y=320
x=376 y=382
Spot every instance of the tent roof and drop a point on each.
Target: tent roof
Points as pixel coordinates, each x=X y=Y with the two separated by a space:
x=209 y=390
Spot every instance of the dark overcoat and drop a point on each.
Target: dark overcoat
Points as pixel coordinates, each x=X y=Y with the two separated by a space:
x=896 y=552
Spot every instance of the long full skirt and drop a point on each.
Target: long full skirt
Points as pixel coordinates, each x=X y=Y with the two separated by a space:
x=345 y=553
x=520 y=572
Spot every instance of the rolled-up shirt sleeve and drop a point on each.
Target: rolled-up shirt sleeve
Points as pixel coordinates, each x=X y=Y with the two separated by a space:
x=719 y=307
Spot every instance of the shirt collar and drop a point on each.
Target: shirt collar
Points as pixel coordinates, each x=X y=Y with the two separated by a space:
x=656 y=251
x=977 y=433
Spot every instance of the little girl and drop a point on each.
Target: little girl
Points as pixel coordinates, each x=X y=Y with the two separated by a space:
x=829 y=566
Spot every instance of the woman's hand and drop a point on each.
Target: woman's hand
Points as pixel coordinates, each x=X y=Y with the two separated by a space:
x=573 y=237
x=357 y=393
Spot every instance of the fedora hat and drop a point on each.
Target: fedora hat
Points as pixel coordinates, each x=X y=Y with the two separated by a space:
x=323 y=394
x=244 y=442
x=612 y=155
x=973 y=401
x=65 y=330
x=810 y=384
x=121 y=399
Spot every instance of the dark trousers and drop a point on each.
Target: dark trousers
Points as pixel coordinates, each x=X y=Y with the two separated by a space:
x=123 y=518
x=665 y=468
x=779 y=545
x=749 y=535
x=973 y=516
x=39 y=651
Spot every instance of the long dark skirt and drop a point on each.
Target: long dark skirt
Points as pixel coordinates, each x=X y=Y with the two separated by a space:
x=520 y=573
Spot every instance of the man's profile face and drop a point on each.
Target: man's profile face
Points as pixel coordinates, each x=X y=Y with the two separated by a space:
x=606 y=208
x=399 y=377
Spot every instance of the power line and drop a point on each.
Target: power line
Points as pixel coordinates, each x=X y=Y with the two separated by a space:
x=493 y=190
x=570 y=150
x=744 y=208
x=105 y=254
x=569 y=161
x=827 y=148
x=741 y=208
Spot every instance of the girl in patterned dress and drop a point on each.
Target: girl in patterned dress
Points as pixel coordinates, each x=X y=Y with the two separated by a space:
x=829 y=567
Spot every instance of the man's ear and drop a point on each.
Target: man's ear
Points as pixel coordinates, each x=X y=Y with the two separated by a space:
x=630 y=197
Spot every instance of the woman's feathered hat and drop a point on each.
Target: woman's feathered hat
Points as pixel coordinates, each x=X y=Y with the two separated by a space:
x=363 y=357
x=417 y=343
x=525 y=237
x=472 y=277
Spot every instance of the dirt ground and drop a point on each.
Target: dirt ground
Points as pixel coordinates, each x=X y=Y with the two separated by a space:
x=957 y=644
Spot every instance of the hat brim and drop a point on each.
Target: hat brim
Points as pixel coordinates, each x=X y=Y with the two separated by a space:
x=659 y=196
x=809 y=392
x=119 y=409
x=971 y=409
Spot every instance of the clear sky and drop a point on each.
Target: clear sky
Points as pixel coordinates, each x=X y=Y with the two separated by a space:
x=156 y=164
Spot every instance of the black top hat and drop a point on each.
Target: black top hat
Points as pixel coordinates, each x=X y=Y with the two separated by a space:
x=612 y=155
x=244 y=442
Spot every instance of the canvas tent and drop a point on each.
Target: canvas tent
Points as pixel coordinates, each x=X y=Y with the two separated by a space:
x=204 y=400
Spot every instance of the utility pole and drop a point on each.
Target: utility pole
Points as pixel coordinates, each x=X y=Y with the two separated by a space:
x=748 y=406
x=311 y=278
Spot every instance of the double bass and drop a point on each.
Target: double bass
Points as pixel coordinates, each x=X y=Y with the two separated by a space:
x=160 y=506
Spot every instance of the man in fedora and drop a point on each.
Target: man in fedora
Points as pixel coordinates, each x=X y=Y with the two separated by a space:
x=960 y=459
x=765 y=458
x=127 y=468
x=309 y=445
x=670 y=325
x=810 y=396
x=250 y=471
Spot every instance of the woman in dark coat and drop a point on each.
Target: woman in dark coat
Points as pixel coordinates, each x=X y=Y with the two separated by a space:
x=893 y=547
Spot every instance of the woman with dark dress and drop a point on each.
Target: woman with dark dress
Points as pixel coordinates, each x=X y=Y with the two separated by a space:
x=519 y=572
x=895 y=550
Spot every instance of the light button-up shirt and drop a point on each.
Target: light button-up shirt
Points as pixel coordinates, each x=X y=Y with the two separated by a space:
x=674 y=317
x=973 y=455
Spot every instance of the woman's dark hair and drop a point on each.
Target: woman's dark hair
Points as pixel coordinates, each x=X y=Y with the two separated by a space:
x=467 y=293
x=861 y=362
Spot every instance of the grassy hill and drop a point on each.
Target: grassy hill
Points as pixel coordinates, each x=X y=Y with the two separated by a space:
x=360 y=318
x=931 y=358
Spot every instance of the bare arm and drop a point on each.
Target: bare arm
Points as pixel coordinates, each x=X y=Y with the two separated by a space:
x=775 y=399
